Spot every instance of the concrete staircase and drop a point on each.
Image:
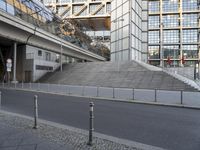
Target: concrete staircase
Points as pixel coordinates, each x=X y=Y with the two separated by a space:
x=110 y=74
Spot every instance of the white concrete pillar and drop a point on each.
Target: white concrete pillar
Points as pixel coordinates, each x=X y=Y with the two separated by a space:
x=61 y=49
x=14 y=62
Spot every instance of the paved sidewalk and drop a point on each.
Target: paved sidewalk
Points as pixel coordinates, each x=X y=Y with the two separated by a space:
x=16 y=133
x=18 y=139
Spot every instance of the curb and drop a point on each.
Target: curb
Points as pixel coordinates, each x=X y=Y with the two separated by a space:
x=85 y=132
x=110 y=99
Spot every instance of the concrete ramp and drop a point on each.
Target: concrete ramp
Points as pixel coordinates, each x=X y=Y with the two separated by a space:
x=113 y=74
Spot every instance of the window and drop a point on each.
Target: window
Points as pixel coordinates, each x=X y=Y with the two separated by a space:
x=10 y=9
x=170 y=5
x=78 y=1
x=154 y=6
x=154 y=52
x=154 y=37
x=61 y=10
x=47 y=56
x=108 y=8
x=190 y=51
x=171 y=36
x=190 y=5
x=172 y=52
x=154 y=21
x=3 y=5
x=39 y=53
x=190 y=20
x=190 y=36
x=170 y=21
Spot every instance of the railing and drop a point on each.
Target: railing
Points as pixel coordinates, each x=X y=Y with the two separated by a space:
x=184 y=98
x=187 y=72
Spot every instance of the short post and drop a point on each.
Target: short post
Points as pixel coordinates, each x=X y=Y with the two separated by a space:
x=97 y=91
x=69 y=90
x=113 y=92
x=181 y=97
x=155 y=95
x=91 y=124
x=83 y=89
x=0 y=99
x=48 y=88
x=38 y=86
x=35 y=112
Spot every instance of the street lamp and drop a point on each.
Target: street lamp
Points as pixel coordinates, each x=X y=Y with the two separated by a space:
x=118 y=21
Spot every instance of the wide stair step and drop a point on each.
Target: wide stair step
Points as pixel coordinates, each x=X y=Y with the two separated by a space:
x=115 y=74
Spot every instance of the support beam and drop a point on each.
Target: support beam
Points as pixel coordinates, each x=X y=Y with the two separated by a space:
x=14 y=62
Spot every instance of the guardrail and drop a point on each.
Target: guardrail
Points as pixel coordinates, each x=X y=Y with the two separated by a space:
x=185 y=98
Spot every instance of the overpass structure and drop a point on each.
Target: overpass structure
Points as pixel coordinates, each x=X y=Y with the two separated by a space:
x=17 y=30
x=15 y=33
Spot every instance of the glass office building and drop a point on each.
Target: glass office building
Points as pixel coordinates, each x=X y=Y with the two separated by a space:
x=173 y=36
x=129 y=30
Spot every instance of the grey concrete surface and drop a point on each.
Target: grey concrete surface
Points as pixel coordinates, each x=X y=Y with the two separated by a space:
x=17 y=134
x=111 y=74
x=13 y=138
x=166 y=127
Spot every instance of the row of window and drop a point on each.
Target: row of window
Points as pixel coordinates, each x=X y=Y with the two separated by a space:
x=172 y=5
x=189 y=52
x=188 y=20
x=32 y=8
x=92 y=9
x=172 y=36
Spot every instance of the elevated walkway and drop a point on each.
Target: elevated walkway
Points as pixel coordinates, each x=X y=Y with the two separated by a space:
x=113 y=74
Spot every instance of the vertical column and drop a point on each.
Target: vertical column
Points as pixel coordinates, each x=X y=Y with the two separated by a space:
x=161 y=36
x=61 y=48
x=14 y=62
x=199 y=35
x=181 y=32
x=130 y=31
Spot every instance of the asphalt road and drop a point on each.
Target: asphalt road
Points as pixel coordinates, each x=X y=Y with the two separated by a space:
x=167 y=127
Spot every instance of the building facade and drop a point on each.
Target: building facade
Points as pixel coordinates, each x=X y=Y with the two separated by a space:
x=173 y=37
x=129 y=30
x=92 y=15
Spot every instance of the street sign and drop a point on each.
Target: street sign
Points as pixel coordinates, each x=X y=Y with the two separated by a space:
x=9 y=65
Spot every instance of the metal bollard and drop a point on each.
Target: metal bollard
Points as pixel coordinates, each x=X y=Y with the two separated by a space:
x=113 y=92
x=97 y=91
x=91 y=124
x=155 y=95
x=48 y=88
x=38 y=86
x=133 y=94
x=35 y=112
x=181 y=97
x=0 y=99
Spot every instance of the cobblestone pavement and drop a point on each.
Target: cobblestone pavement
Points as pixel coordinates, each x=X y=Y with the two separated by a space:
x=16 y=133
